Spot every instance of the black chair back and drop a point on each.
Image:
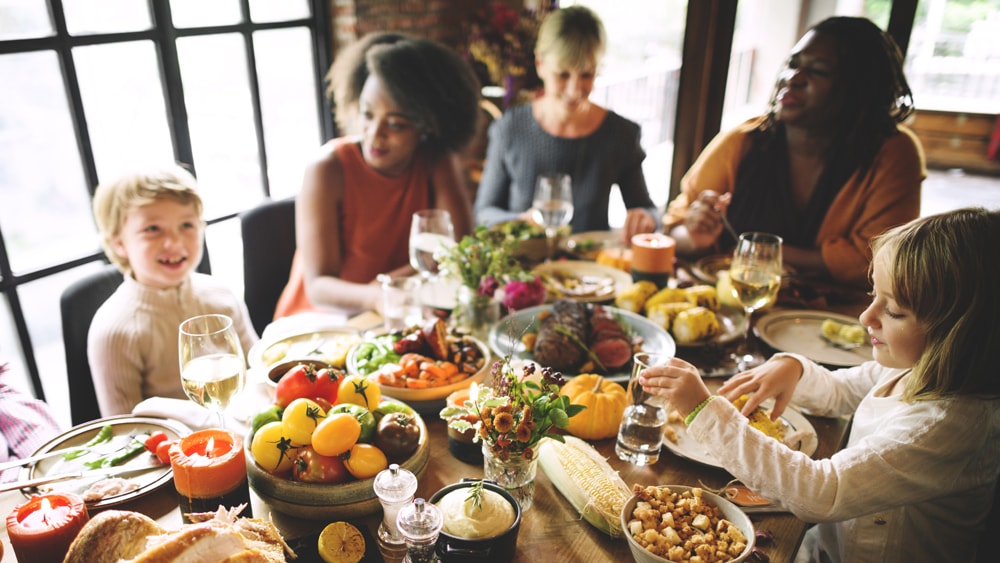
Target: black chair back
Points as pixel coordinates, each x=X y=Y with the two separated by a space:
x=268 y=232
x=78 y=304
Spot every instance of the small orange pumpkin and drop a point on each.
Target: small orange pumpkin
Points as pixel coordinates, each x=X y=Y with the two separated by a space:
x=605 y=401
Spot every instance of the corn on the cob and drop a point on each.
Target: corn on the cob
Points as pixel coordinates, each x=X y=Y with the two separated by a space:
x=850 y=332
x=694 y=325
x=664 y=314
x=633 y=298
x=761 y=420
x=703 y=296
x=666 y=295
x=587 y=481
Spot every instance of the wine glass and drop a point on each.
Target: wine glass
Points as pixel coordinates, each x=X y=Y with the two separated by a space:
x=552 y=206
x=430 y=230
x=213 y=369
x=755 y=275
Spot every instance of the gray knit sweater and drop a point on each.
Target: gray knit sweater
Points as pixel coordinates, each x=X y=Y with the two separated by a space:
x=519 y=150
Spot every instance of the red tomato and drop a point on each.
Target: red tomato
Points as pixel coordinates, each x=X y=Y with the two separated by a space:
x=327 y=385
x=297 y=383
x=163 y=451
x=154 y=440
x=311 y=467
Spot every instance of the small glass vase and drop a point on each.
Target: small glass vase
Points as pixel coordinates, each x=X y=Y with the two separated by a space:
x=474 y=313
x=515 y=474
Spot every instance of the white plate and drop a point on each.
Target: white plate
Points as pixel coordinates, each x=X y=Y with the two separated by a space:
x=798 y=331
x=731 y=322
x=122 y=426
x=588 y=244
x=794 y=420
x=617 y=280
x=654 y=338
x=314 y=343
x=707 y=269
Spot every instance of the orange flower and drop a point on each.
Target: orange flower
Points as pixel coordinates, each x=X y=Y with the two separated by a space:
x=503 y=422
x=523 y=433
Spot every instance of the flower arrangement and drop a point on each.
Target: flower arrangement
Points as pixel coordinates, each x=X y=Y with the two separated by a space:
x=516 y=412
x=484 y=262
x=501 y=45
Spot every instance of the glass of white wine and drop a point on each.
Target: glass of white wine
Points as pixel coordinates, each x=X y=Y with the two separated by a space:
x=430 y=231
x=213 y=368
x=755 y=275
x=552 y=205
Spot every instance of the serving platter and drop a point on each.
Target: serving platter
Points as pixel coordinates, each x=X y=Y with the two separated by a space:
x=122 y=429
x=504 y=337
x=587 y=245
x=582 y=281
x=798 y=331
x=329 y=344
x=688 y=447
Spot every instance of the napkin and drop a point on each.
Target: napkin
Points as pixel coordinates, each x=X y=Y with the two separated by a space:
x=192 y=415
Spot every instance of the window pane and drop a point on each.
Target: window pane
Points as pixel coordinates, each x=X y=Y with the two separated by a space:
x=198 y=13
x=21 y=20
x=278 y=10
x=10 y=352
x=288 y=105
x=220 y=115
x=106 y=16
x=953 y=62
x=40 y=172
x=638 y=79
x=123 y=100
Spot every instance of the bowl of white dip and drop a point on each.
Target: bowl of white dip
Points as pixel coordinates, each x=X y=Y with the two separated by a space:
x=483 y=531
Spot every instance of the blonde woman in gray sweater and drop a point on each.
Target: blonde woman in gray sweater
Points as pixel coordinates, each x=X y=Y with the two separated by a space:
x=152 y=229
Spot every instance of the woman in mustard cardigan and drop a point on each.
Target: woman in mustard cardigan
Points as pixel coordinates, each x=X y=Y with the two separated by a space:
x=827 y=168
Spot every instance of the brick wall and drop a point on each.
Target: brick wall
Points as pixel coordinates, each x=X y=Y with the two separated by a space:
x=440 y=20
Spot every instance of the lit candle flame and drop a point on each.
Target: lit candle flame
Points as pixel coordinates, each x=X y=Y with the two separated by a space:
x=209 y=446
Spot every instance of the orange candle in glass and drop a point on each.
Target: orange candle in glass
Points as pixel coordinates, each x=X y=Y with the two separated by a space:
x=653 y=258
x=210 y=469
x=42 y=528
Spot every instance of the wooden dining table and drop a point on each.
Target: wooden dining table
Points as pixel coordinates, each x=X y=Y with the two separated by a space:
x=551 y=530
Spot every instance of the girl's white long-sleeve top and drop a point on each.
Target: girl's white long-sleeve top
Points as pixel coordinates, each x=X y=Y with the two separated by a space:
x=914 y=483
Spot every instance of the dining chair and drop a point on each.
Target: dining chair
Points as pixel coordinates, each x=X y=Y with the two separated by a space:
x=268 y=232
x=78 y=304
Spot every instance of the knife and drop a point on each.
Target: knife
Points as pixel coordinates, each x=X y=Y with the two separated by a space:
x=26 y=460
x=92 y=474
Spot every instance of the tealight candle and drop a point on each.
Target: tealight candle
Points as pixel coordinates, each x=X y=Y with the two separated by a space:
x=653 y=258
x=460 y=443
x=42 y=528
x=210 y=470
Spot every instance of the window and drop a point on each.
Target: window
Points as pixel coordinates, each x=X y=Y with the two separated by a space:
x=95 y=87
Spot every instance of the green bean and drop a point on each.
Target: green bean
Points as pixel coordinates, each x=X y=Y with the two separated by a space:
x=103 y=436
x=121 y=455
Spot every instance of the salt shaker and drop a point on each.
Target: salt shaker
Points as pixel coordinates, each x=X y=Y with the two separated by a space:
x=394 y=488
x=420 y=523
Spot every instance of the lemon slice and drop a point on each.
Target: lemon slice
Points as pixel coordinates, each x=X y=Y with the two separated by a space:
x=341 y=542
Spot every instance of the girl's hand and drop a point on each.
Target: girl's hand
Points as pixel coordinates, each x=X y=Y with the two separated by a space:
x=678 y=381
x=637 y=221
x=775 y=378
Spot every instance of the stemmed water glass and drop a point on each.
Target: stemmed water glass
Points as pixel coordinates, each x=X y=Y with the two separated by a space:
x=755 y=275
x=552 y=206
x=430 y=231
x=213 y=369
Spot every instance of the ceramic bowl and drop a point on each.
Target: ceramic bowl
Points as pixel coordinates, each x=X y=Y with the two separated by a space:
x=729 y=511
x=321 y=501
x=277 y=371
x=497 y=549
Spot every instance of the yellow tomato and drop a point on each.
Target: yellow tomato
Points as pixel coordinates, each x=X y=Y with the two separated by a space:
x=336 y=434
x=301 y=417
x=273 y=449
x=365 y=461
x=359 y=390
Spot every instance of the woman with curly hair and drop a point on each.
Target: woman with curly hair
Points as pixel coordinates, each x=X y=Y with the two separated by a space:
x=827 y=168
x=407 y=106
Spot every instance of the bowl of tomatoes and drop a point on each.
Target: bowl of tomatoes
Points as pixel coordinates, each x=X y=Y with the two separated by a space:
x=315 y=457
x=421 y=365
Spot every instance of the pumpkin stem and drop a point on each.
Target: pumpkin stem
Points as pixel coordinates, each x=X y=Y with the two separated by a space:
x=597 y=385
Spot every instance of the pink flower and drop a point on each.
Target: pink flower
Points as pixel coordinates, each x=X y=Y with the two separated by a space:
x=488 y=286
x=521 y=294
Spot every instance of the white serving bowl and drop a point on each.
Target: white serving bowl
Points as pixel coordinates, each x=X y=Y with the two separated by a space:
x=729 y=511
